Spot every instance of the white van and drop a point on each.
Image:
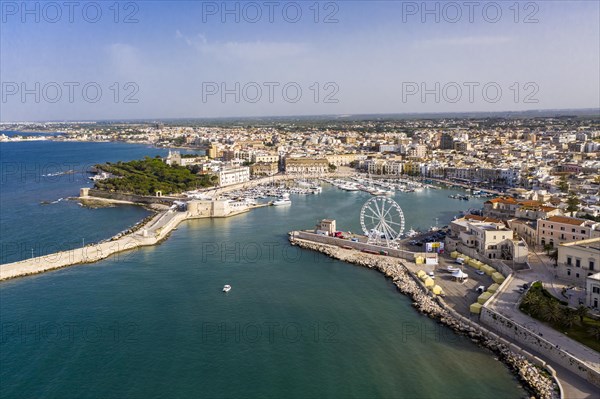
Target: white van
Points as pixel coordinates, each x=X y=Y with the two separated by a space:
x=460 y=261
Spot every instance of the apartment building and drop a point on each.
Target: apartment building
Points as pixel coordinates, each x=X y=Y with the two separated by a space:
x=233 y=175
x=577 y=260
x=306 y=166
x=489 y=238
x=559 y=229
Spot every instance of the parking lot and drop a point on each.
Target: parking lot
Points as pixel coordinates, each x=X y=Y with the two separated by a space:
x=458 y=295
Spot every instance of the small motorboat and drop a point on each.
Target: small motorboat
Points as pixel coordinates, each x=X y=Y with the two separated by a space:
x=227 y=288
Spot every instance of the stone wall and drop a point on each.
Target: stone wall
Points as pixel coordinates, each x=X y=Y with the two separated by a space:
x=397 y=253
x=529 y=339
x=520 y=362
x=140 y=199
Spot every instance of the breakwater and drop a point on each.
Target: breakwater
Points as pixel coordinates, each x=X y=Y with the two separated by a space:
x=535 y=380
x=153 y=232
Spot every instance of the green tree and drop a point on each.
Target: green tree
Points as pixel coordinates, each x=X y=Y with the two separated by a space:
x=572 y=202
x=594 y=332
x=563 y=184
x=568 y=318
x=332 y=167
x=532 y=302
x=551 y=312
x=582 y=312
x=554 y=256
x=548 y=248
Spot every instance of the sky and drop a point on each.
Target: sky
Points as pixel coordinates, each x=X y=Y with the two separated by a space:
x=182 y=59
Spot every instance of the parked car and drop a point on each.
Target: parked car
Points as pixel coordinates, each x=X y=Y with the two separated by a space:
x=480 y=272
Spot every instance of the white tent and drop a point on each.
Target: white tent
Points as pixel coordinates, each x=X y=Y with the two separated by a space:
x=460 y=275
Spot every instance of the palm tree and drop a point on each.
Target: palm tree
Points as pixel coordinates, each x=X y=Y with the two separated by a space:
x=548 y=248
x=569 y=318
x=582 y=312
x=554 y=256
x=551 y=312
x=532 y=302
x=594 y=332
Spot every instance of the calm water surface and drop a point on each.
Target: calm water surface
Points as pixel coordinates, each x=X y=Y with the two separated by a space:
x=154 y=322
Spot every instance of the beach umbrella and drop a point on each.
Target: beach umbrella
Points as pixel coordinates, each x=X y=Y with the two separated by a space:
x=454 y=254
x=421 y=273
x=437 y=290
x=429 y=282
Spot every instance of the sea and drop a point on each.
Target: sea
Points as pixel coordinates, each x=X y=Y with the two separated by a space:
x=154 y=322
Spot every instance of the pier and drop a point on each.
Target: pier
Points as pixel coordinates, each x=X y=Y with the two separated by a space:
x=153 y=232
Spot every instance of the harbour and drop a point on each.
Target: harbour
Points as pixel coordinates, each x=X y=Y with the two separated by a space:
x=249 y=251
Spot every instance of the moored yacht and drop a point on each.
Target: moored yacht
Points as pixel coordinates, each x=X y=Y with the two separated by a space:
x=283 y=200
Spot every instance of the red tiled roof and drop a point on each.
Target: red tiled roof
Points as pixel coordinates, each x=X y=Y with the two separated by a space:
x=566 y=220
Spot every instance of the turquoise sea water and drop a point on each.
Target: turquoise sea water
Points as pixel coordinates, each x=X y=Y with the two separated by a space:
x=155 y=323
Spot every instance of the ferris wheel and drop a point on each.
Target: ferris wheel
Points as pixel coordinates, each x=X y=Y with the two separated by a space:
x=382 y=220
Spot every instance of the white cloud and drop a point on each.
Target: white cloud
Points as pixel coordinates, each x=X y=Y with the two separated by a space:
x=255 y=50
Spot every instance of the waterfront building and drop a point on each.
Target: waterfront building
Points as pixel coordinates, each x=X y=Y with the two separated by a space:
x=488 y=238
x=264 y=169
x=326 y=225
x=233 y=175
x=577 y=260
x=559 y=229
x=306 y=166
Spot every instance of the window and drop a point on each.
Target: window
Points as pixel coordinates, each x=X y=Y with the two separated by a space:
x=573 y=230
x=577 y=262
x=577 y=275
x=562 y=229
x=596 y=290
x=568 y=272
x=569 y=260
x=592 y=265
x=582 y=231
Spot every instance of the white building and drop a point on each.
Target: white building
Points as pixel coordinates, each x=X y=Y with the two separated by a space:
x=592 y=292
x=233 y=175
x=577 y=260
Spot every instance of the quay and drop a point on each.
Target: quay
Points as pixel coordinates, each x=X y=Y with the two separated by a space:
x=575 y=376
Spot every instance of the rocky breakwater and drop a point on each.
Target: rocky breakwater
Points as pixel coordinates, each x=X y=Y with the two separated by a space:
x=536 y=380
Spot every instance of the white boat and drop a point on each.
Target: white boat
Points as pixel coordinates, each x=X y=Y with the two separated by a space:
x=226 y=288
x=412 y=233
x=283 y=200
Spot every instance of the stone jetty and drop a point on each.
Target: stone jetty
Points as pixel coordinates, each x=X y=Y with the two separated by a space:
x=534 y=379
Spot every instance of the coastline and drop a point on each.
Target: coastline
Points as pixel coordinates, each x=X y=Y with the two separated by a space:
x=531 y=376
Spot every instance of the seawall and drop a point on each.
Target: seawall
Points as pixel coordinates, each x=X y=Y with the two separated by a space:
x=526 y=367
